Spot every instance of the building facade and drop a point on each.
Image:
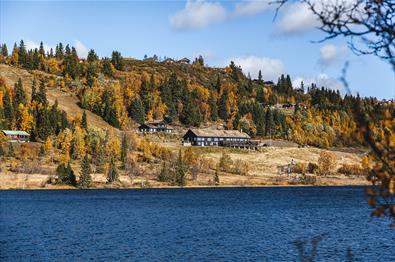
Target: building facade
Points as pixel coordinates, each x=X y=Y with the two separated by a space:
x=200 y=137
x=156 y=126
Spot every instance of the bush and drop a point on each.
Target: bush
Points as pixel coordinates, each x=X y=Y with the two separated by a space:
x=300 y=168
x=327 y=163
x=241 y=167
x=225 y=162
x=312 y=168
x=351 y=170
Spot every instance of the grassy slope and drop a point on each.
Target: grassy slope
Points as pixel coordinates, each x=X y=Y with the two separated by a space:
x=67 y=101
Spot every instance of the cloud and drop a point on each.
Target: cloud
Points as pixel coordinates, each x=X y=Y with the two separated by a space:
x=271 y=68
x=321 y=80
x=197 y=15
x=252 y=7
x=81 y=49
x=297 y=18
x=32 y=45
x=330 y=54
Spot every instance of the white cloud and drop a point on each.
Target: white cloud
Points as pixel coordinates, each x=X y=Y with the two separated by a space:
x=297 y=18
x=252 y=7
x=271 y=68
x=198 y=14
x=81 y=49
x=330 y=54
x=321 y=80
x=32 y=45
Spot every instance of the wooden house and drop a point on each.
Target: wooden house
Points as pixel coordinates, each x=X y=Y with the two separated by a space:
x=184 y=61
x=208 y=137
x=16 y=136
x=155 y=126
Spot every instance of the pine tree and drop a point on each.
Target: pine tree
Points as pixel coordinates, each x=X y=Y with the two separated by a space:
x=216 y=176
x=117 y=60
x=269 y=122
x=20 y=95
x=92 y=56
x=8 y=110
x=180 y=176
x=22 y=54
x=11 y=152
x=136 y=111
x=107 y=68
x=260 y=77
x=112 y=175
x=212 y=101
x=85 y=178
x=124 y=151
x=66 y=174
x=4 y=50
x=84 y=121
x=34 y=92
x=41 y=51
x=223 y=105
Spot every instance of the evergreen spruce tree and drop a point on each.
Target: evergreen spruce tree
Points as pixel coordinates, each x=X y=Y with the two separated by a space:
x=84 y=121
x=112 y=175
x=124 y=151
x=212 y=101
x=85 y=177
x=66 y=175
x=8 y=110
x=4 y=50
x=180 y=175
x=269 y=122
x=260 y=77
x=22 y=54
x=117 y=60
x=11 y=152
x=20 y=98
x=92 y=56
x=1 y=151
x=107 y=68
x=223 y=108
x=41 y=51
x=136 y=111
x=34 y=91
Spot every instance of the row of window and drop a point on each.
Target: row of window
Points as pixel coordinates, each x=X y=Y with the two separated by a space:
x=216 y=139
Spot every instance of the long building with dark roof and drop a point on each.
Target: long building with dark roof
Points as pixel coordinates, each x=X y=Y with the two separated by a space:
x=209 y=137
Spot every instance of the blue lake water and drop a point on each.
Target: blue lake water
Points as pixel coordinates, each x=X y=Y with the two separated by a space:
x=231 y=224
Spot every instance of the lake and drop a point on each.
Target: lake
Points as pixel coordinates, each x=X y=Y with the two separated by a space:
x=218 y=224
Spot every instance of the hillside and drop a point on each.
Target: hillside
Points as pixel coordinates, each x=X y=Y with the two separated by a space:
x=82 y=115
x=68 y=101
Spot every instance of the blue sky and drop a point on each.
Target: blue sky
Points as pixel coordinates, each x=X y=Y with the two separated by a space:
x=243 y=31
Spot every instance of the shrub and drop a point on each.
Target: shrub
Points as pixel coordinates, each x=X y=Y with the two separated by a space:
x=241 y=167
x=312 y=168
x=66 y=175
x=326 y=163
x=225 y=162
x=351 y=170
x=299 y=168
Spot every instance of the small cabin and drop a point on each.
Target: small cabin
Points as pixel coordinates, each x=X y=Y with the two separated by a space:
x=208 y=137
x=184 y=61
x=155 y=126
x=16 y=136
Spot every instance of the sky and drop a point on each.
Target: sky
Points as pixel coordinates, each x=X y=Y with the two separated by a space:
x=221 y=31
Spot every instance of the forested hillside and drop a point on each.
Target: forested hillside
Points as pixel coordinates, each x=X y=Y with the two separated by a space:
x=126 y=91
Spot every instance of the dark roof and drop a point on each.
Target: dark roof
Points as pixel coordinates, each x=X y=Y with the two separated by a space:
x=219 y=133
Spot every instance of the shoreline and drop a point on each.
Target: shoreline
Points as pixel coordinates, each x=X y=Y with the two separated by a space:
x=63 y=187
